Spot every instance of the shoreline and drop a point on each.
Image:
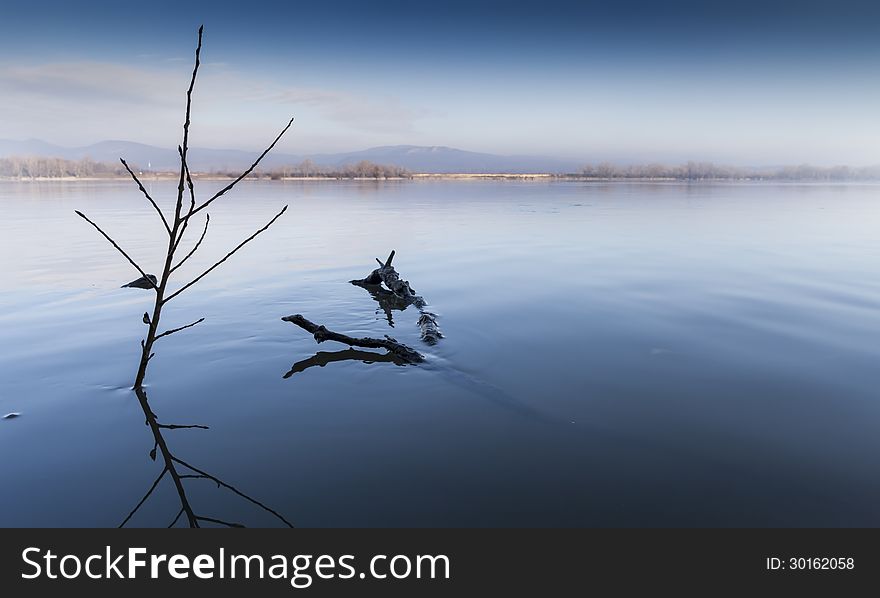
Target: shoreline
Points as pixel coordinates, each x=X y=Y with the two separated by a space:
x=412 y=177
x=531 y=177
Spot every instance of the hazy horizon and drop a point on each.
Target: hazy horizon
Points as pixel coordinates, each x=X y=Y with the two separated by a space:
x=594 y=161
x=748 y=84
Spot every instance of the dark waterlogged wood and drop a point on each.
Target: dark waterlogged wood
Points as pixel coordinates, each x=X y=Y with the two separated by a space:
x=322 y=358
x=430 y=330
x=322 y=334
x=399 y=295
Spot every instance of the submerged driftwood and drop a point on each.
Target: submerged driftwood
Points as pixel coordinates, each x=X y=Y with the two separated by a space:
x=322 y=334
x=398 y=294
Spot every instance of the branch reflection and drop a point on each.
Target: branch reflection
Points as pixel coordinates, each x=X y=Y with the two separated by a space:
x=179 y=471
x=387 y=300
x=322 y=358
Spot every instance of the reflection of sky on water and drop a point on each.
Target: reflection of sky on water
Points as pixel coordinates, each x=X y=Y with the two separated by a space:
x=626 y=354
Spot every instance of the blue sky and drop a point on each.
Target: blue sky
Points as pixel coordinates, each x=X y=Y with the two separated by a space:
x=744 y=83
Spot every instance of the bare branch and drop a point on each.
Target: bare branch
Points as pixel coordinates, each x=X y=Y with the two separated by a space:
x=118 y=248
x=242 y=175
x=202 y=238
x=219 y=521
x=182 y=427
x=147 y=195
x=192 y=189
x=192 y=84
x=192 y=199
x=173 y=330
x=321 y=334
x=388 y=261
x=185 y=146
x=228 y=487
x=240 y=245
x=179 y=513
x=146 y=496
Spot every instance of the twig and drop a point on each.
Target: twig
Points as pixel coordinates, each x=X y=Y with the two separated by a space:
x=147 y=195
x=192 y=84
x=227 y=256
x=173 y=330
x=192 y=201
x=193 y=250
x=228 y=487
x=242 y=175
x=118 y=248
x=182 y=427
x=219 y=521
x=146 y=496
x=179 y=513
x=192 y=189
x=185 y=145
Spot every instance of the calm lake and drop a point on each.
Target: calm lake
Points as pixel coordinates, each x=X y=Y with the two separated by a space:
x=625 y=354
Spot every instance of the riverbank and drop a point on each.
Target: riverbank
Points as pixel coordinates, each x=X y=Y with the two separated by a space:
x=496 y=176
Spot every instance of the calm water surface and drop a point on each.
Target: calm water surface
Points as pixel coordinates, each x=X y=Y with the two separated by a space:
x=615 y=355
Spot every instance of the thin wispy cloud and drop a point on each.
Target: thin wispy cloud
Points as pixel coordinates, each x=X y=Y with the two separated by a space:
x=106 y=100
x=383 y=115
x=746 y=83
x=77 y=103
x=75 y=82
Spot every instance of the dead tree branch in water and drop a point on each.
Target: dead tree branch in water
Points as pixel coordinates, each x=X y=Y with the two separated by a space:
x=399 y=295
x=322 y=334
x=176 y=228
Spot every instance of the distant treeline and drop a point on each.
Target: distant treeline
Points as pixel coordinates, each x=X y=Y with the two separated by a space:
x=41 y=167
x=697 y=171
x=362 y=169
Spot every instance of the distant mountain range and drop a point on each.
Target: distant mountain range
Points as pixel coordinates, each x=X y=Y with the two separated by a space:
x=433 y=159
